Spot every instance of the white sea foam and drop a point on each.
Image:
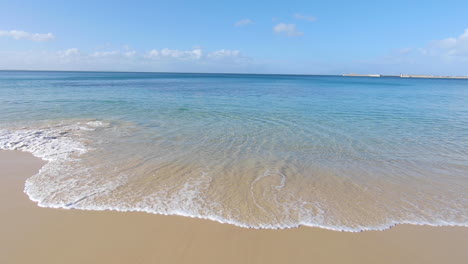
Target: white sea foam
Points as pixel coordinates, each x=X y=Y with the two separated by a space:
x=60 y=144
x=51 y=143
x=48 y=143
x=62 y=183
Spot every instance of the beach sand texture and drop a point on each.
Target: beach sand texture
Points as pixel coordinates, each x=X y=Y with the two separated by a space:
x=30 y=234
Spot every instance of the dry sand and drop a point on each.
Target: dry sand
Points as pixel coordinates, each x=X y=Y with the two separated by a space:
x=29 y=234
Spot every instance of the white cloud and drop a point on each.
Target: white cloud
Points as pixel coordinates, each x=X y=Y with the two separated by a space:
x=287 y=29
x=130 y=53
x=448 y=56
x=152 y=54
x=305 y=17
x=194 y=54
x=18 y=34
x=101 y=54
x=221 y=54
x=69 y=53
x=243 y=22
x=126 y=59
x=450 y=48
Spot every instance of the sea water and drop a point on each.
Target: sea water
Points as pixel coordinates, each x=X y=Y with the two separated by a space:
x=259 y=151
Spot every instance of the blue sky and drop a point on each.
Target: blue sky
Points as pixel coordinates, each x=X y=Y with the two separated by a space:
x=304 y=37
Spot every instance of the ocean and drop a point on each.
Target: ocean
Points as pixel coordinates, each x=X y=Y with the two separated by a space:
x=256 y=151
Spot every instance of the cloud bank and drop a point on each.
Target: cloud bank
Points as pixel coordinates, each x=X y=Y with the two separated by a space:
x=18 y=34
x=452 y=49
x=448 y=56
x=127 y=59
x=444 y=56
x=154 y=55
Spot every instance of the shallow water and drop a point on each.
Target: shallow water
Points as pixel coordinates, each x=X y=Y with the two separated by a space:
x=261 y=151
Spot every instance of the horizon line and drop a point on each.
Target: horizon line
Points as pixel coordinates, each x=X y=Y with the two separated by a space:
x=239 y=73
x=173 y=72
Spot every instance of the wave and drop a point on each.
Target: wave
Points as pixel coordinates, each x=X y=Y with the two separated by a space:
x=74 y=178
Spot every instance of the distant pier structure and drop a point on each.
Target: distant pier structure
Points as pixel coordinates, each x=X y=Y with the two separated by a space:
x=405 y=76
x=432 y=76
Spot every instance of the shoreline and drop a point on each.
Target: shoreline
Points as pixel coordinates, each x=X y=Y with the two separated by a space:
x=43 y=235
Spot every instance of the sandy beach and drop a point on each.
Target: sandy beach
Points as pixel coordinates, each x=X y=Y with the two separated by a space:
x=30 y=234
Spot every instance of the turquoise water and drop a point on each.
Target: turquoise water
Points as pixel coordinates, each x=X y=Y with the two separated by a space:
x=262 y=151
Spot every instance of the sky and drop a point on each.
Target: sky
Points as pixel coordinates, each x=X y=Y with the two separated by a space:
x=290 y=37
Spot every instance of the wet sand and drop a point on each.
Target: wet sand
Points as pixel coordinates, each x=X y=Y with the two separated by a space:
x=29 y=234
